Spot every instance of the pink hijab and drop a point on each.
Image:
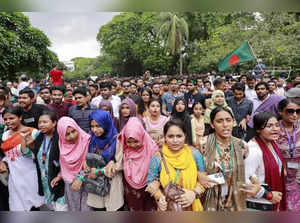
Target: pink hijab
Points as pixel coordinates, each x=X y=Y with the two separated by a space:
x=136 y=162
x=72 y=156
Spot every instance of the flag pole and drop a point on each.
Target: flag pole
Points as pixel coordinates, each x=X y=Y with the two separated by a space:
x=252 y=50
x=254 y=54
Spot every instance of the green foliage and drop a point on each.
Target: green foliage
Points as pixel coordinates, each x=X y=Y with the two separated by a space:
x=23 y=48
x=174 y=32
x=130 y=42
x=274 y=38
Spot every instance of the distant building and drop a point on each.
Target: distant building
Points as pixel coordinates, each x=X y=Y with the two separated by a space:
x=70 y=65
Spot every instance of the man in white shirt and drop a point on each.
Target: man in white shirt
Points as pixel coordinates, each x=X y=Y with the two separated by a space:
x=106 y=94
x=280 y=85
x=23 y=84
x=250 y=92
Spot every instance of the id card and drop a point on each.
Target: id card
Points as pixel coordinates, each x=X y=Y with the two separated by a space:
x=29 y=120
x=292 y=165
x=218 y=177
x=224 y=190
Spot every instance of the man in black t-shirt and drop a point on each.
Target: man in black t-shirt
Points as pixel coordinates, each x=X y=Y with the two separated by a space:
x=32 y=112
x=192 y=96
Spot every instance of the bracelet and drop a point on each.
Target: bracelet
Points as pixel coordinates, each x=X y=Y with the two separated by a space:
x=99 y=172
x=80 y=178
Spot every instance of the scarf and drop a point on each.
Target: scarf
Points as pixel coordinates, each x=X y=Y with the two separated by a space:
x=238 y=173
x=136 y=162
x=185 y=117
x=13 y=141
x=268 y=105
x=214 y=105
x=272 y=177
x=107 y=141
x=184 y=161
x=123 y=120
x=72 y=155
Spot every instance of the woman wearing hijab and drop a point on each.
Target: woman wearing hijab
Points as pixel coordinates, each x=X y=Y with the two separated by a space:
x=73 y=146
x=126 y=111
x=138 y=148
x=218 y=99
x=180 y=112
x=104 y=143
x=106 y=105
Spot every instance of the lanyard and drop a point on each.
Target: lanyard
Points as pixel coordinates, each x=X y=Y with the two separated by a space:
x=292 y=142
x=277 y=159
x=176 y=177
x=230 y=162
x=45 y=150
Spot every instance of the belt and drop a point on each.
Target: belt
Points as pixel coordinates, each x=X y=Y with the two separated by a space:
x=260 y=206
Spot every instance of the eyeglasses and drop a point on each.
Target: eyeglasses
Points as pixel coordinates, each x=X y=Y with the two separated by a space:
x=292 y=111
x=124 y=86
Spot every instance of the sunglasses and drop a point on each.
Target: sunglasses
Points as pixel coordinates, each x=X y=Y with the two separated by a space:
x=292 y=111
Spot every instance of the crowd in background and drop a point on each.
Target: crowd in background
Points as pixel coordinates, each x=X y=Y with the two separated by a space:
x=186 y=143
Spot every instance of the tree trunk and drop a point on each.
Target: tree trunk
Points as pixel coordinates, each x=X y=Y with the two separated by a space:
x=181 y=63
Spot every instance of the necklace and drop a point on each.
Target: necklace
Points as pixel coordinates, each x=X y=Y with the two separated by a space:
x=222 y=156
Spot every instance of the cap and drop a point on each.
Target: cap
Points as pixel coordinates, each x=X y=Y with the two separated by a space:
x=293 y=93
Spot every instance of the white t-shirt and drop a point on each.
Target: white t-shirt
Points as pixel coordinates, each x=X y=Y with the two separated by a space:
x=22 y=85
x=115 y=101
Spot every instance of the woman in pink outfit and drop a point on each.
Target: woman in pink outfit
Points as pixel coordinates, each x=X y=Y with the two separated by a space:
x=73 y=146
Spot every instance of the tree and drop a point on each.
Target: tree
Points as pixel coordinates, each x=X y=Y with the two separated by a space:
x=273 y=36
x=130 y=43
x=174 y=32
x=23 y=48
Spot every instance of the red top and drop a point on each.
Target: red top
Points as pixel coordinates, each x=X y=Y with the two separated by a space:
x=56 y=77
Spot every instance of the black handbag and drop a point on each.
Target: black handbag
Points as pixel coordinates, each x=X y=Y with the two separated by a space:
x=101 y=185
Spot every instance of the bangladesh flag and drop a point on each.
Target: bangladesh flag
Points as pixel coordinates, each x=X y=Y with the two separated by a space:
x=239 y=55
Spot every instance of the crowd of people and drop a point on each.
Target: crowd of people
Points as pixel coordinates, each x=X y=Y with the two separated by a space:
x=187 y=143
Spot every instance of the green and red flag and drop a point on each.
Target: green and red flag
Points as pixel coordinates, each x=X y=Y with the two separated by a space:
x=240 y=55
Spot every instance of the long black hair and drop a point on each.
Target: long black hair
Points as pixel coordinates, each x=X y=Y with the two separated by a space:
x=140 y=102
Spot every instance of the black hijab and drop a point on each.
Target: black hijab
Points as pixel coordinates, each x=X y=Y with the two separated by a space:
x=185 y=117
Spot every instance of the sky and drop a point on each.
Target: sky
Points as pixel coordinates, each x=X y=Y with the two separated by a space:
x=72 y=34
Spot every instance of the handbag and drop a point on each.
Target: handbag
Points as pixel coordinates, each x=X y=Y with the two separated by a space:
x=171 y=191
x=101 y=185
